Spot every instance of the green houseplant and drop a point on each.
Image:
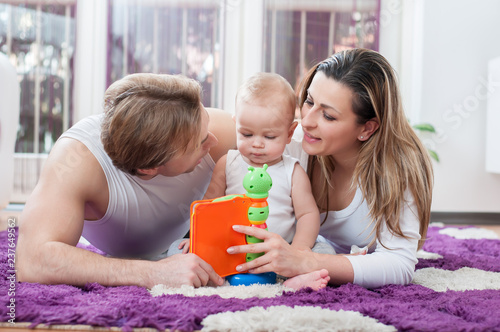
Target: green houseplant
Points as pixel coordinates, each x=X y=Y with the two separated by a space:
x=427 y=128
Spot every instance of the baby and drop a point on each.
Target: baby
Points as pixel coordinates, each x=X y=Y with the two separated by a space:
x=264 y=116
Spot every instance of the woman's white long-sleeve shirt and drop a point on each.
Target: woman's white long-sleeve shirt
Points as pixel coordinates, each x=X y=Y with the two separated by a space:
x=392 y=264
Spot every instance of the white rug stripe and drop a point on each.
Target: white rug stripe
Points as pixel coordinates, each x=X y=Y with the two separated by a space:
x=299 y=318
x=226 y=291
x=422 y=254
x=463 y=279
x=469 y=233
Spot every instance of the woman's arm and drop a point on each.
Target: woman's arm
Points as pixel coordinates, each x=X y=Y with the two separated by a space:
x=282 y=258
x=394 y=264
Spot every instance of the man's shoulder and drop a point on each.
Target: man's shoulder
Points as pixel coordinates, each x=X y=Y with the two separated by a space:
x=71 y=163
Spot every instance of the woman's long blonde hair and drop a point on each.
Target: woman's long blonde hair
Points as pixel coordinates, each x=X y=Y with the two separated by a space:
x=393 y=159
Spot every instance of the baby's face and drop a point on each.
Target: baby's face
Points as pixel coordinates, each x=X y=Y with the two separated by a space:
x=262 y=133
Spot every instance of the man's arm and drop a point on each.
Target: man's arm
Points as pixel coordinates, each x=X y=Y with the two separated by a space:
x=71 y=189
x=223 y=127
x=305 y=208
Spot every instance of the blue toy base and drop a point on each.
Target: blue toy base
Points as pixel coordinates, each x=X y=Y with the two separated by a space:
x=248 y=279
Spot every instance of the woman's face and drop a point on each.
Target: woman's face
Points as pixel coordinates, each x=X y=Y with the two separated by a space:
x=329 y=123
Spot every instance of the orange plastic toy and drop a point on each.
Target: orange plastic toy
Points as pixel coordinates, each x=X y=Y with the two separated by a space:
x=212 y=221
x=211 y=231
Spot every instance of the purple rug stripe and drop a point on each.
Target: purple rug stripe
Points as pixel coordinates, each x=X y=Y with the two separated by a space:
x=408 y=308
x=479 y=254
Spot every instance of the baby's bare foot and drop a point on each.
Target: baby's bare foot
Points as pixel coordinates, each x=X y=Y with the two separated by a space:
x=316 y=280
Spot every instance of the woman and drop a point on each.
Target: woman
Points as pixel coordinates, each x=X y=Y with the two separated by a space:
x=371 y=176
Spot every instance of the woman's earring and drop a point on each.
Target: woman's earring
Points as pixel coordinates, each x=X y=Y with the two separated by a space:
x=361 y=137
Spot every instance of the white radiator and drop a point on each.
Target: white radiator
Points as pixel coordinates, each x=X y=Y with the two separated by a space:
x=27 y=168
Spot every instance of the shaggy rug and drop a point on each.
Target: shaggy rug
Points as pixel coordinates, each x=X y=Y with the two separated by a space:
x=456 y=288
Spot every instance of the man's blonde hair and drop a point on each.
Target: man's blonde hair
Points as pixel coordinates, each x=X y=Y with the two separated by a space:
x=268 y=89
x=149 y=119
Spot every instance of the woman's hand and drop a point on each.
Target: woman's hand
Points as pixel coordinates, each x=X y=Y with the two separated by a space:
x=279 y=257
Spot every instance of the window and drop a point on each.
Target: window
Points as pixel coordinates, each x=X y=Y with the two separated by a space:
x=299 y=34
x=39 y=39
x=168 y=37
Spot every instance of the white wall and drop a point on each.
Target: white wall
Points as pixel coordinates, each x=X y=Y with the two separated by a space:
x=445 y=84
x=90 y=58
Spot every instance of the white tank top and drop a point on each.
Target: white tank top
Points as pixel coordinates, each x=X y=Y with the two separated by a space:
x=143 y=216
x=281 y=218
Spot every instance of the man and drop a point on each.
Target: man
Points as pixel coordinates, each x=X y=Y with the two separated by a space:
x=125 y=180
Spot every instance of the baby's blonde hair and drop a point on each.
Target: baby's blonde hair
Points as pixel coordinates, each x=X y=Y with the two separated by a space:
x=268 y=89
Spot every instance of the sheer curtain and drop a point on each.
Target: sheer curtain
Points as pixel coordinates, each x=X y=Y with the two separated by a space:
x=169 y=37
x=39 y=40
x=300 y=33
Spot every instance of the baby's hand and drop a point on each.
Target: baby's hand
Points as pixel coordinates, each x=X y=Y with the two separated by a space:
x=184 y=245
